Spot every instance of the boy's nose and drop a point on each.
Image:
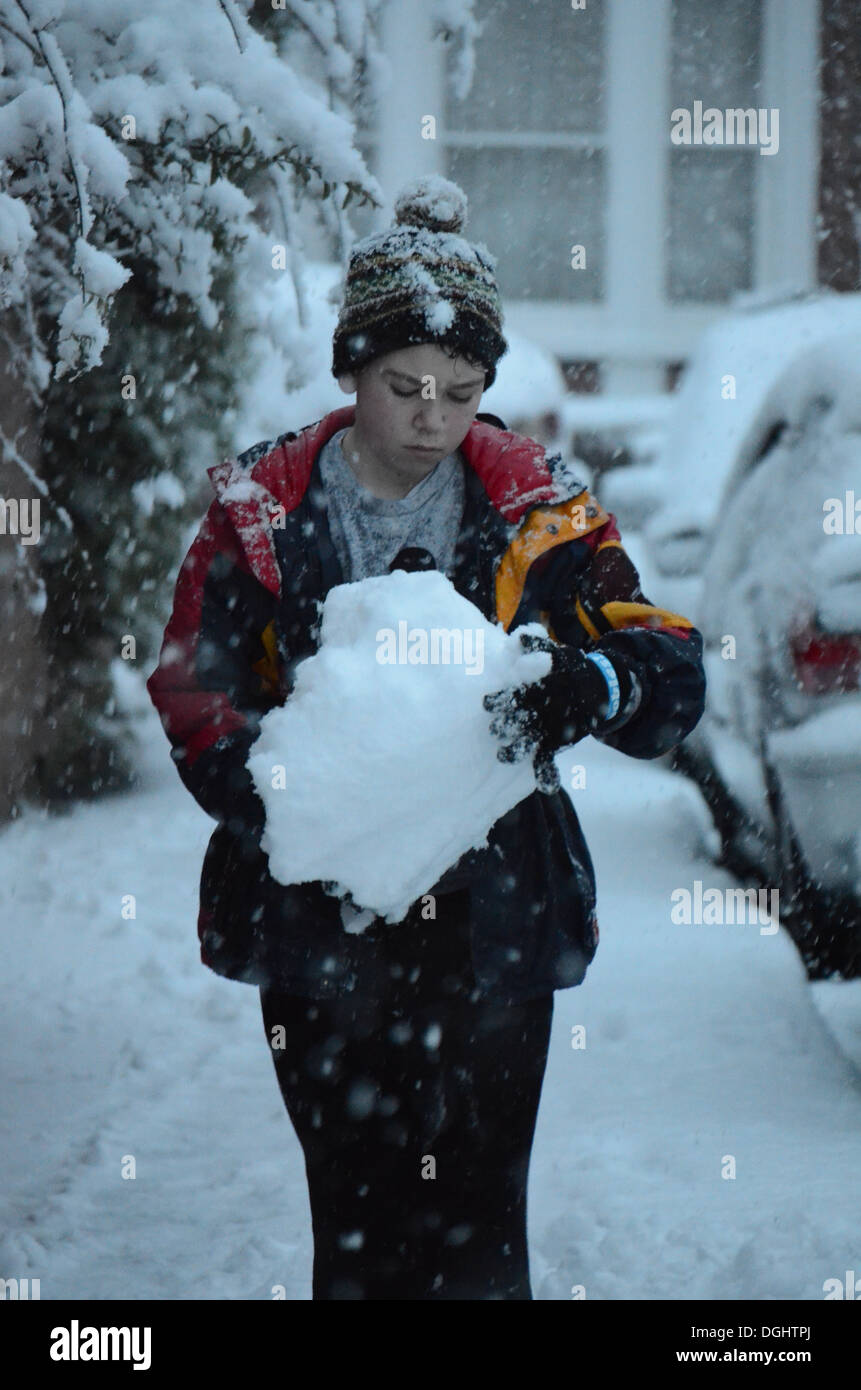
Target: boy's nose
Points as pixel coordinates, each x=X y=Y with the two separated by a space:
x=431 y=415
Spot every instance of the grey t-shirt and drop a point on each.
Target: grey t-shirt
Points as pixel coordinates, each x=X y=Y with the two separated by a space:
x=369 y=531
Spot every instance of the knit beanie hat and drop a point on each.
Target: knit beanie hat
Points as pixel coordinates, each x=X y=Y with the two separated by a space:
x=421 y=282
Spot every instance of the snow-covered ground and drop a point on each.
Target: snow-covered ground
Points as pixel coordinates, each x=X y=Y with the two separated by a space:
x=701 y=1042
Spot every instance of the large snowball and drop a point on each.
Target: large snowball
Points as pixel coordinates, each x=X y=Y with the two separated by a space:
x=389 y=767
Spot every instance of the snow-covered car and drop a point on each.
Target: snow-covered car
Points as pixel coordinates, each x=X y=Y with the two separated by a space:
x=529 y=392
x=620 y=437
x=778 y=751
x=744 y=378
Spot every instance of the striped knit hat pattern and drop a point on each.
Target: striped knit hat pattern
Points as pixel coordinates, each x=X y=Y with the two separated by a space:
x=421 y=281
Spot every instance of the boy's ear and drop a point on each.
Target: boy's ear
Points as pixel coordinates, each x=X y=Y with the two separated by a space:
x=348 y=383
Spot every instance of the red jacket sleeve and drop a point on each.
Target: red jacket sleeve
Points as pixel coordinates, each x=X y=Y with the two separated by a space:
x=205 y=687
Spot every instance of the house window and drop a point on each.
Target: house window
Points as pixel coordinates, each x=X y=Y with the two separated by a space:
x=527 y=145
x=716 y=59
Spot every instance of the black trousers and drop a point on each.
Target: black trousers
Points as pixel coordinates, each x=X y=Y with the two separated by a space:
x=416 y=1113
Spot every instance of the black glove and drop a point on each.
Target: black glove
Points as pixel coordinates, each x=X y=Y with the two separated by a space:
x=545 y=715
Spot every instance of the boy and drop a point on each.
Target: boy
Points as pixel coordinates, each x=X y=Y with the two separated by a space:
x=414 y=1052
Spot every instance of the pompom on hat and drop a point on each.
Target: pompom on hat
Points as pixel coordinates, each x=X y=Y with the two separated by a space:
x=421 y=281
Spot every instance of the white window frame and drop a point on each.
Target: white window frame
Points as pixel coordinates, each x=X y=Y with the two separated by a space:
x=635 y=330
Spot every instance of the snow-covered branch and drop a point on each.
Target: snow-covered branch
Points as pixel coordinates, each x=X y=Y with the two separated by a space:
x=124 y=138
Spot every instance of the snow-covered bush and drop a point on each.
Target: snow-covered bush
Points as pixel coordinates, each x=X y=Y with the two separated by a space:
x=150 y=161
x=126 y=135
x=158 y=166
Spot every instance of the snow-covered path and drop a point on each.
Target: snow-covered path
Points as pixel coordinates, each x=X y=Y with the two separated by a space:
x=701 y=1042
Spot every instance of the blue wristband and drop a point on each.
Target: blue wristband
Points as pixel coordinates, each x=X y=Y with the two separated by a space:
x=605 y=666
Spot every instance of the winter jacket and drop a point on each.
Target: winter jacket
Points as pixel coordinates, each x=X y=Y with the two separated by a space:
x=534 y=545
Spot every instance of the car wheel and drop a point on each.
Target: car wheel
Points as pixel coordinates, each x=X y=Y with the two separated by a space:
x=824 y=923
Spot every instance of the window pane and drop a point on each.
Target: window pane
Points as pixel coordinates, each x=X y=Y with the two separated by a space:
x=530 y=207
x=709 y=249
x=715 y=58
x=715 y=54
x=539 y=66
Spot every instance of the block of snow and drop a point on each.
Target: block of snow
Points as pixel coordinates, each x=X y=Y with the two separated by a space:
x=380 y=769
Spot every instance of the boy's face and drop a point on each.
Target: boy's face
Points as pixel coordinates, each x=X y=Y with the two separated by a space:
x=417 y=396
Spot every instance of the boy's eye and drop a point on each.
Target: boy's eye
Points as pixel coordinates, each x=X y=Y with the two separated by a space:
x=458 y=400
